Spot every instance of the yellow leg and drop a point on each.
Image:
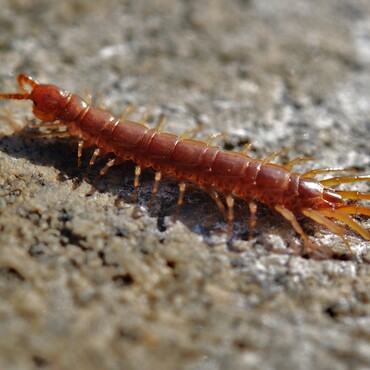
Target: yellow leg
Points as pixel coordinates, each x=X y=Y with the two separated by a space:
x=157 y=179
x=252 y=220
x=344 y=180
x=190 y=133
x=128 y=111
x=136 y=183
x=352 y=194
x=246 y=148
x=273 y=155
x=343 y=217
x=355 y=209
x=180 y=199
x=289 y=215
x=160 y=124
x=102 y=172
x=297 y=160
x=230 y=213
x=91 y=162
x=319 y=171
x=321 y=219
x=215 y=196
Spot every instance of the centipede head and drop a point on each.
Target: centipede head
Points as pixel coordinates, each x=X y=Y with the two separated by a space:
x=47 y=100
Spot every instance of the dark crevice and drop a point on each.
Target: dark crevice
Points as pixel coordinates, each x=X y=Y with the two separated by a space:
x=123 y=280
x=39 y=361
x=11 y=273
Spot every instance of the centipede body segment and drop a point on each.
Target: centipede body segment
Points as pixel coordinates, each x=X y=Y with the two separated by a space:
x=222 y=173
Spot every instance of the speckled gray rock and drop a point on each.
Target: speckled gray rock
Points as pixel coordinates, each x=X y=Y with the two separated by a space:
x=88 y=281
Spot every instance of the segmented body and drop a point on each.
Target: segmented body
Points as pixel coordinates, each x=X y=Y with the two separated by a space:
x=230 y=173
x=197 y=162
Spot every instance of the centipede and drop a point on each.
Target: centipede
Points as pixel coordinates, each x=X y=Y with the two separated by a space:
x=225 y=175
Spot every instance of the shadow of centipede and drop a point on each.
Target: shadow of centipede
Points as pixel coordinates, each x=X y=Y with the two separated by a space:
x=199 y=213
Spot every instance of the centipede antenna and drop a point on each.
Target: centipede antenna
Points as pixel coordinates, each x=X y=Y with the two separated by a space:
x=25 y=94
x=26 y=80
x=16 y=96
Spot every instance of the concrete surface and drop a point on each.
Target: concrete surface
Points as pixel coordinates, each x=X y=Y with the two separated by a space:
x=87 y=282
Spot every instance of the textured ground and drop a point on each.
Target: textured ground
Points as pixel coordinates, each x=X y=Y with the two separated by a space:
x=86 y=281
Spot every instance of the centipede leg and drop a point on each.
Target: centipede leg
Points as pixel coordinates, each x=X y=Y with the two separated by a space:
x=274 y=155
x=6 y=116
x=318 y=171
x=252 y=220
x=157 y=179
x=323 y=220
x=355 y=209
x=349 y=221
x=297 y=160
x=246 y=148
x=51 y=135
x=215 y=196
x=214 y=137
x=230 y=214
x=80 y=147
x=102 y=172
x=180 y=199
x=160 y=124
x=128 y=111
x=44 y=125
x=352 y=194
x=144 y=118
x=190 y=133
x=344 y=180
x=91 y=162
x=289 y=215
x=136 y=183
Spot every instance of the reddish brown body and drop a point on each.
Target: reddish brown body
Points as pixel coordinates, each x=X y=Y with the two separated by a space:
x=187 y=159
x=230 y=173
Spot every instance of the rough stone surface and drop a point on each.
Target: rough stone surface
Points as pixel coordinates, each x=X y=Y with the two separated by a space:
x=87 y=281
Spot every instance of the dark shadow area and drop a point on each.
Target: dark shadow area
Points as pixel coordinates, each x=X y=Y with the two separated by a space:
x=199 y=212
